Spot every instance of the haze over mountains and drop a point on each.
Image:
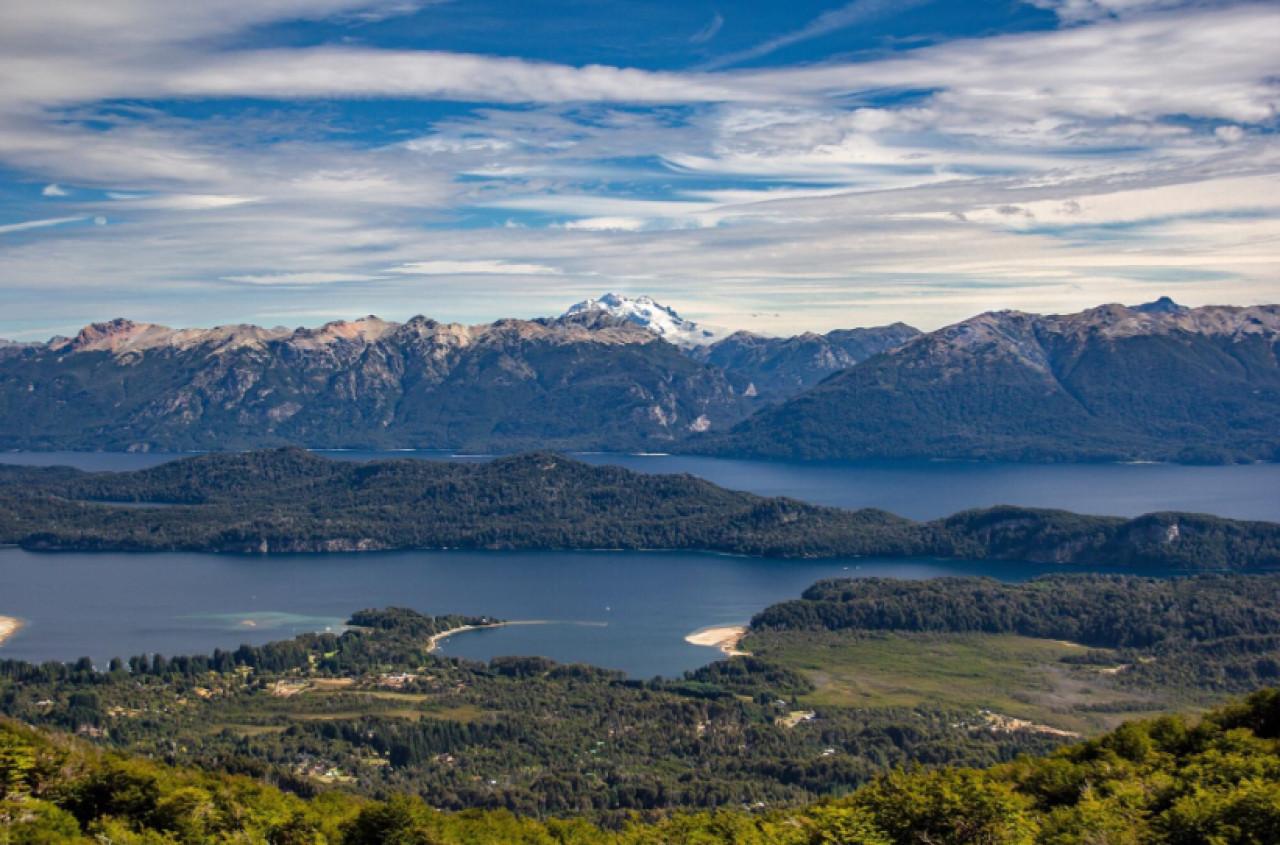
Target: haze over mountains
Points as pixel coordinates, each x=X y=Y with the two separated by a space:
x=1152 y=382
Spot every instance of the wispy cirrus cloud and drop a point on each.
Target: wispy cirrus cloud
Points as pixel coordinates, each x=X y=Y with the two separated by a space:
x=472 y=268
x=1131 y=152
x=850 y=14
x=27 y=225
x=711 y=30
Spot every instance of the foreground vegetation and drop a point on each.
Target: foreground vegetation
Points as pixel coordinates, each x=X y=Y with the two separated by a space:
x=374 y=712
x=292 y=501
x=1075 y=651
x=1164 y=781
x=852 y=680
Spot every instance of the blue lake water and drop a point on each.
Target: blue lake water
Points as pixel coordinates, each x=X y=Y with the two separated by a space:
x=637 y=608
x=915 y=489
x=622 y=610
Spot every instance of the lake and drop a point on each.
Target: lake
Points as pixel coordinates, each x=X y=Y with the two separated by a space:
x=622 y=610
x=915 y=489
x=628 y=611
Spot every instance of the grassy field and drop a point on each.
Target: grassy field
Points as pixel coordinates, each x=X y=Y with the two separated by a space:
x=1010 y=675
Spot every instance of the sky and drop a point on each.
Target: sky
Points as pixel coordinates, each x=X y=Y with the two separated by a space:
x=778 y=167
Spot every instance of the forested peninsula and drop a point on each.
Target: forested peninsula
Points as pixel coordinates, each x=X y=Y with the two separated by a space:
x=289 y=500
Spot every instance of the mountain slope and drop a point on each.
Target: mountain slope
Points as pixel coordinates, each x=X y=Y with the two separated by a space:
x=1111 y=383
x=586 y=381
x=659 y=319
x=289 y=500
x=779 y=367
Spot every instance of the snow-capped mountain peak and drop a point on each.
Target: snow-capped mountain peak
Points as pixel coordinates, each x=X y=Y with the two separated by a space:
x=657 y=318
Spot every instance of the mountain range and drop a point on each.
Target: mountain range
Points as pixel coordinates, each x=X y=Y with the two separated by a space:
x=587 y=380
x=1156 y=382
x=1153 y=382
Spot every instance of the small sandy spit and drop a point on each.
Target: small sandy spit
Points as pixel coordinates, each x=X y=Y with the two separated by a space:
x=8 y=627
x=725 y=638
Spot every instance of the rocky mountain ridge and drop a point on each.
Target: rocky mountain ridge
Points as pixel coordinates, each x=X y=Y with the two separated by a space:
x=1109 y=383
x=587 y=380
x=643 y=311
x=370 y=383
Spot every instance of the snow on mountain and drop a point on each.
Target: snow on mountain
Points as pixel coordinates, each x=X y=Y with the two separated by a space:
x=659 y=319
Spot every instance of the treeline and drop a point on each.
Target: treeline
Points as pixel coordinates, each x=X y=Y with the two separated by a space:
x=373 y=712
x=406 y=640
x=292 y=501
x=1165 y=781
x=1210 y=632
x=1108 y=611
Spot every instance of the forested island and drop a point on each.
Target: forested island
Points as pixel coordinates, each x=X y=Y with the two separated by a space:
x=289 y=500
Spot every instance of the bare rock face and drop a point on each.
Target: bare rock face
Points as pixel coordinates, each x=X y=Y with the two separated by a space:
x=583 y=381
x=1156 y=382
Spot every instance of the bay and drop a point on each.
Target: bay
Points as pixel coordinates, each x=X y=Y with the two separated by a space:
x=622 y=610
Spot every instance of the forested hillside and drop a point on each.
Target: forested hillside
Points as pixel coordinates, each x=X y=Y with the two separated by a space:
x=291 y=501
x=1213 y=632
x=1166 y=781
x=1109 y=384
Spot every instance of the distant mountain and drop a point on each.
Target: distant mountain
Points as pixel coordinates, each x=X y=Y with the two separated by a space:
x=659 y=319
x=1156 y=382
x=1163 y=305
x=778 y=367
x=774 y=367
x=586 y=381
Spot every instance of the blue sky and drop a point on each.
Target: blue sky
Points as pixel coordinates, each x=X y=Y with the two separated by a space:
x=771 y=166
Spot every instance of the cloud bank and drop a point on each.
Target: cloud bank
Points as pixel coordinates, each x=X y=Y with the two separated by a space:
x=1128 y=152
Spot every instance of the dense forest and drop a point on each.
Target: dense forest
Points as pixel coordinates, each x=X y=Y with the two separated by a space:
x=1154 y=383
x=1210 y=632
x=289 y=500
x=374 y=712
x=1165 y=781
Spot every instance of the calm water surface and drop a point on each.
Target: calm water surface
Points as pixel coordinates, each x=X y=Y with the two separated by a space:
x=623 y=610
x=915 y=489
x=628 y=611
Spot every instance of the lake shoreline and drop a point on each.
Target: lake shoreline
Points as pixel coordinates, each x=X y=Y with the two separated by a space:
x=434 y=641
x=724 y=637
x=8 y=627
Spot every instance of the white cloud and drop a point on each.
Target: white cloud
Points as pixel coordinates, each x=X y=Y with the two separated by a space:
x=356 y=72
x=711 y=30
x=302 y=279
x=53 y=191
x=803 y=191
x=472 y=268
x=607 y=224
x=843 y=17
x=1078 y=11
x=179 y=202
x=38 y=224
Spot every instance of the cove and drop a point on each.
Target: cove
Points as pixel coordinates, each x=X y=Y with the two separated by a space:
x=621 y=610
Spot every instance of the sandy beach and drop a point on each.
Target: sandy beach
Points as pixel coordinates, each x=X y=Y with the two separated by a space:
x=434 y=642
x=725 y=638
x=8 y=627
